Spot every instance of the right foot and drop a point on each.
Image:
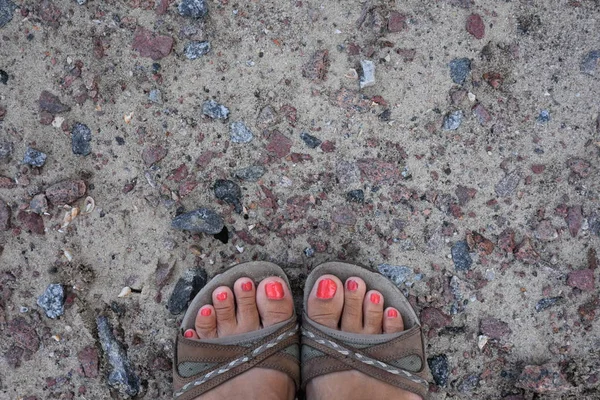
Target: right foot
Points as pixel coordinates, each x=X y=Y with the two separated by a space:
x=352 y=307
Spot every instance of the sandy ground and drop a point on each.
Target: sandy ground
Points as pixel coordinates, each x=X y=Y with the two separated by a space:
x=505 y=170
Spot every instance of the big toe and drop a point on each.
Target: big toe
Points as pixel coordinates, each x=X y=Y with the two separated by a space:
x=274 y=301
x=325 y=301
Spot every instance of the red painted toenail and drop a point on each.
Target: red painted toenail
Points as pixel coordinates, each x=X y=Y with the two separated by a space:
x=205 y=312
x=247 y=286
x=352 y=285
x=221 y=296
x=392 y=313
x=274 y=290
x=189 y=333
x=326 y=289
x=375 y=298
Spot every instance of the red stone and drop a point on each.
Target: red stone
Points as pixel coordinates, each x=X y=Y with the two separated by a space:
x=526 y=253
x=153 y=154
x=316 y=68
x=2 y=113
x=51 y=103
x=205 y=158
x=547 y=378
x=31 y=222
x=151 y=45
x=494 y=79
x=65 y=192
x=582 y=279
x=290 y=113
x=580 y=167
x=538 y=168
x=23 y=334
x=378 y=171
x=299 y=157
x=481 y=113
x=328 y=146
x=186 y=188
x=475 y=26
x=477 y=241
x=435 y=318
x=88 y=357
x=396 y=22
x=279 y=144
x=494 y=328
x=506 y=240
x=179 y=174
x=408 y=55
x=465 y=194
x=343 y=216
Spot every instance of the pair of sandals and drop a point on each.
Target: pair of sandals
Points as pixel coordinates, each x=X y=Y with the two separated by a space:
x=397 y=359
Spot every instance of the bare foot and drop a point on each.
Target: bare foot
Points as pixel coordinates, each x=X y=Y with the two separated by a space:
x=244 y=309
x=352 y=308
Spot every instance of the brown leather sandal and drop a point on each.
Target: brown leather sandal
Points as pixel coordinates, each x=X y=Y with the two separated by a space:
x=397 y=359
x=201 y=365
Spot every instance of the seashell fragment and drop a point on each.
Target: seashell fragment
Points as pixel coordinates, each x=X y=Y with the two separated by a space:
x=126 y=291
x=68 y=255
x=88 y=205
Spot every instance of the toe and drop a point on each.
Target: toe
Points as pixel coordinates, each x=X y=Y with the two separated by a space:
x=224 y=304
x=245 y=301
x=392 y=321
x=205 y=324
x=326 y=301
x=274 y=301
x=373 y=312
x=352 y=314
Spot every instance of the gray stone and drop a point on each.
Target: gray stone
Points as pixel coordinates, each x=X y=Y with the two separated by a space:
x=194 y=50
x=202 y=220
x=240 y=133
x=589 y=64
x=506 y=186
x=186 y=289
x=461 y=257
x=215 y=110
x=155 y=96
x=6 y=149
x=7 y=8
x=3 y=77
x=34 y=157
x=121 y=375
x=52 y=301
x=398 y=274
x=230 y=192
x=251 y=174
x=459 y=70
x=439 y=369
x=452 y=120
x=543 y=117
x=39 y=204
x=193 y=8
x=547 y=302
x=310 y=140
x=81 y=138
x=367 y=76
x=356 y=196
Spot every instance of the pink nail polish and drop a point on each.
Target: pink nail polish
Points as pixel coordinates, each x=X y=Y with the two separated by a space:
x=247 y=286
x=189 y=334
x=205 y=312
x=352 y=285
x=392 y=313
x=274 y=290
x=375 y=298
x=326 y=289
x=221 y=296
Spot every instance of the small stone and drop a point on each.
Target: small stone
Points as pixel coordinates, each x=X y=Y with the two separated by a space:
x=477 y=241
x=185 y=289
x=494 y=328
x=88 y=357
x=81 y=138
x=526 y=253
x=52 y=301
x=153 y=154
x=464 y=194
x=439 y=369
x=588 y=65
x=230 y=192
x=378 y=171
x=4 y=216
x=475 y=26
x=344 y=216
x=574 y=219
x=3 y=73
x=468 y=384
x=546 y=378
x=7 y=183
x=149 y=44
x=310 y=140
x=538 y=168
x=193 y=8
x=214 y=110
x=316 y=68
x=65 y=192
x=32 y=222
x=155 y=96
x=396 y=22
x=481 y=113
x=494 y=79
x=161 y=363
x=461 y=257
x=367 y=75
x=34 y=157
x=356 y=196
x=582 y=279
x=6 y=149
x=543 y=117
x=24 y=334
x=457 y=95
x=121 y=375
x=202 y=220
x=459 y=70
x=545 y=231
x=548 y=302
x=506 y=186
x=38 y=204
x=452 y=120
x=163 y=273
x=435 y=318
x=594 y=223
x=196 y=49
x=309 y=252
x=251 y=174
x=386 y=115
x=399 y=274
x=7 y=8
x=279 y=144
x=267 y=117
x=579 y=167
x=240 y=133
x=51 y=103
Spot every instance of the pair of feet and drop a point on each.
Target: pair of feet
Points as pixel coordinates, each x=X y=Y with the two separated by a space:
x=348 y=306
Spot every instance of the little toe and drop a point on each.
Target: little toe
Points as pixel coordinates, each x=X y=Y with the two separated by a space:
x=352 y=313
x=392 y=321
x=248 y=319
x=373 y=312
x=205 y=324
x=224 y=304
x=326 y=301
x=274 y=301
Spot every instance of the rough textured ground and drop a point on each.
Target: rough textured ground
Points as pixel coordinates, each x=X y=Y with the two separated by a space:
x=490 y=218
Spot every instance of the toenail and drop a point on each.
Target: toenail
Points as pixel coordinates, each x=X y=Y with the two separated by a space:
x=274 y=290
x=352 y=285
x=326 y=289
x=392 y=313
x=189 y=333
x=375 y=298
x=221 y=296
x=205 y=312
x=247 y=286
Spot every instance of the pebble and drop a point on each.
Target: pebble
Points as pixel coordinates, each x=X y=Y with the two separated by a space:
x=192 y=281
x=547 y=302
x=396 y=22
x=51 y=103
x=439 y=369
x=574 y=219
x=582 y=279
x=3 y=75
x=88 y=358
x=149 y=44
x=435 y=318
x=240 y=133
x=367 y=75
x=32 y=222
x=155 y=96
x=193 y=8
x=459 y=69
x=81 y=138
x=526 y=253
x=468 y=384
x=310 y=140
x=202 y=220
x=594 y=223
x=267 y=117
x=316 y=67
x=196 y=49
x=452 y=120
x=482 y=114
x=153 y=154
x=251 y=174
x=121 y=375
x=7 y=8
x=309 y=252
x=279 y=144
x=24 y=334
x=386 y=115
x=399 y=274
x=588 y=65
x=52 y=301
x=38 y=204
x=65 y=192
x=546 y=378
x=343 y=216
x=506 y=186
x=461 y=257
x=214 y=110
x=475 y=26
x=356 y=196
x=230 y=192
x=494 y=328
x=4 y=216
x=6 y=149
x=579 y=167
x=543 y=117
x=34 y=157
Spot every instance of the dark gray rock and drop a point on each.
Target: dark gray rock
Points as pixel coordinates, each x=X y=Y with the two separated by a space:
x=589 y=64
x=506 y=186
x=230 y=192
x=39 y=204
x=310 y=140
x=251 y=174
x=193 y=8
x=356 y=196
x=468 y=384
x=461 y=257
x=453 y=120
x=309 y=252
x=186 y=289
x=543 y=117
x=459 y=70
x=194 y=50
x=398 y=274
x=548 y=302
x=121 y=375
x=3 y=76
x=240 y=133
x=215 y=110
x=6 y=149
x=202 y=220
x=34 y=157
x=7 y=8
x=155 y=96
x=439 y=369
x=52 y=301
x=81 y=138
